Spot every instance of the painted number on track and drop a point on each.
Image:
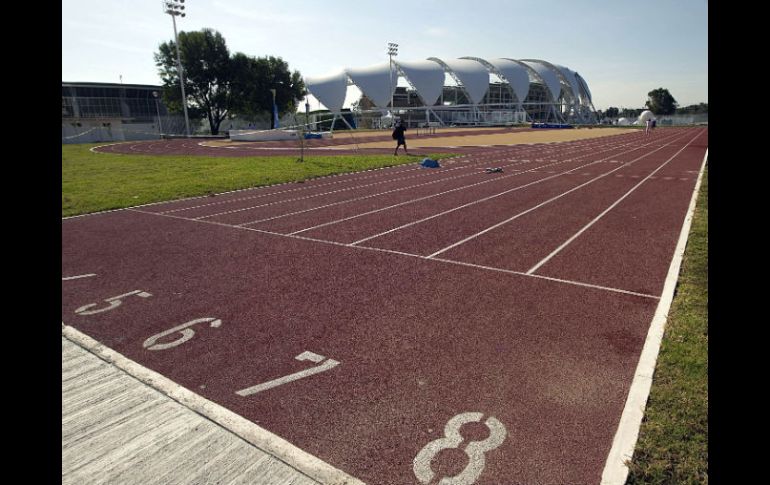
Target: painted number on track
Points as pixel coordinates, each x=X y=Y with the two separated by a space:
x=452 y=439
x=327 y=365
x=187 y=334
x=113 y=303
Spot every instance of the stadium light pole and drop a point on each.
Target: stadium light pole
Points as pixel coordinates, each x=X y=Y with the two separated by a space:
x=174 y=8
x=392 y=51
x=273 y=109
x=157 y=108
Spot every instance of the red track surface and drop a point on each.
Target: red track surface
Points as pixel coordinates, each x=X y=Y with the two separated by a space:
x=419 y=338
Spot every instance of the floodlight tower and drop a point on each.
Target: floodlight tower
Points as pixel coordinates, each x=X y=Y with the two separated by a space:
x=392 y=51
x=157 y=108
x=174 y=8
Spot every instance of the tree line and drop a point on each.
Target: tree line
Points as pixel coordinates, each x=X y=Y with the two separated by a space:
x=219 y=85
x=660 y=102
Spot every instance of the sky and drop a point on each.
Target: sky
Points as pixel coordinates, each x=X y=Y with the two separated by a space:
x=622 y=48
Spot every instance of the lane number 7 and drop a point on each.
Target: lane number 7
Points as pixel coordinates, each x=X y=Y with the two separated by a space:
x=329 y=364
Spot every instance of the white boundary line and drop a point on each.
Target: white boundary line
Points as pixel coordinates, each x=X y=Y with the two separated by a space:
x=401 y=253
x=615 y=469
x=605 y=211
x=263 y=439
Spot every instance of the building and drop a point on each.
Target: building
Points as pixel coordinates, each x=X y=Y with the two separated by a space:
x=464 y=91
x=98 y=112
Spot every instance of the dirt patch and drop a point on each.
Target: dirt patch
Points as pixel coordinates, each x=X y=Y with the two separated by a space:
x=512 y=138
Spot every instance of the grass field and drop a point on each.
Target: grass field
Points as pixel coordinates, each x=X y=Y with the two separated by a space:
x=93 y=182
x=673 y=441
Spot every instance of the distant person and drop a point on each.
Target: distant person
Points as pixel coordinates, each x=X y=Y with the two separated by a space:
x=648 y=127
x=398 y=135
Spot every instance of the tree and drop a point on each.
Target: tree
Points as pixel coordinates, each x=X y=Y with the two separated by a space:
x=218 y=85
x=693 y=109
x=257 y=76
x=661 y=102
x=612 y=112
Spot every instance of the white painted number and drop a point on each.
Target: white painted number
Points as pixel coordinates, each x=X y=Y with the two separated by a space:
x=452 y=439
x=187 y=334
x=329 y=364
x=114 y=302
x=68 y=278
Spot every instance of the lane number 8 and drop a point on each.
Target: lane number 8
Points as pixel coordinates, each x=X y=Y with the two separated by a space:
x=452 y=439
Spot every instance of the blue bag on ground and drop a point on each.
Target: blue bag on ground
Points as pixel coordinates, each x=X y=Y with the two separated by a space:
x=427 y=162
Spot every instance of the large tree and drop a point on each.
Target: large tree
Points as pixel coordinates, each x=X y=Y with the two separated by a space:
x=661 y=102
x=257 y=76
x=218 y=85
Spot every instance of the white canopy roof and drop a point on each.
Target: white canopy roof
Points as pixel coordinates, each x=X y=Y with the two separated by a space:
x=375 y=82
x=549 y=77
x=571 y=79
x=516 y=75
x=584 y=85
x=330 y=90
x=427 y=77
x=472 y=74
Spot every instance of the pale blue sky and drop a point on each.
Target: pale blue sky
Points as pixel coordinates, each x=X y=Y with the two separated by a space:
x=622 y=48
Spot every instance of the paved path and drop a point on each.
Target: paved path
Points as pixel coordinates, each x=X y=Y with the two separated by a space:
x=117 y=430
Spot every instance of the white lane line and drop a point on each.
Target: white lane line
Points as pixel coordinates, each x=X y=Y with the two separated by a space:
x=549 y=278
x=401 y=253
x=308 y=187
x=457 y=159
x=506 y=221
x=502 y=193
x=355 y=187
x=471 y=159
x=357 y=199
x=604 y=212
x=615 y=469
x=68 y=278
x=456 y=189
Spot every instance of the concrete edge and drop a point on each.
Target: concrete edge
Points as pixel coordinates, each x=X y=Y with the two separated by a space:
x=261 y=438
x=615 y=469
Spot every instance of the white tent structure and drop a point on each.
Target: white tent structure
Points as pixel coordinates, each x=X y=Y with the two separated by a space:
x=467 y=90
x=645 y=115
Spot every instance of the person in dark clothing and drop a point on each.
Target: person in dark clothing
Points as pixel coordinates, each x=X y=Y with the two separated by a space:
x=398 y=135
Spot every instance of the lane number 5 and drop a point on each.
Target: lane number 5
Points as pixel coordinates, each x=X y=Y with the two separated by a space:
x=114 y=302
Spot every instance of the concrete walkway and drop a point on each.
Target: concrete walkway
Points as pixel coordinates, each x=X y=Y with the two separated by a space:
x=117 y=430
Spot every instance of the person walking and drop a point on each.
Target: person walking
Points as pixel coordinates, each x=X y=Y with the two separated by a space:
x=398 y=135
x=649 y=126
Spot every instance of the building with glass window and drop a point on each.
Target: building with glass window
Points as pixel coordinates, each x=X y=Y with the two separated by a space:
x=96 y=112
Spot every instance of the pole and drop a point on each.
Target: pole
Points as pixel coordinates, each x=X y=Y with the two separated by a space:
x=157 y=108
x=390 y=57
x=273 y=114
x=181 y=79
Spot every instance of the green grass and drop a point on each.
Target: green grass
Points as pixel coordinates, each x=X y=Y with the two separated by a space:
x=93 y=182
x=673 y=441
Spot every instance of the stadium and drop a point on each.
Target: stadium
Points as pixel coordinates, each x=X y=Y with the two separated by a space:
x=468 y=91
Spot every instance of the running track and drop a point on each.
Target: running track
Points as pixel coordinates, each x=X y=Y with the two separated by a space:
x=364 y=317
x=315 y=147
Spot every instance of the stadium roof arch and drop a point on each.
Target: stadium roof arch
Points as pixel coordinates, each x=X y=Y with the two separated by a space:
x=562 y=90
